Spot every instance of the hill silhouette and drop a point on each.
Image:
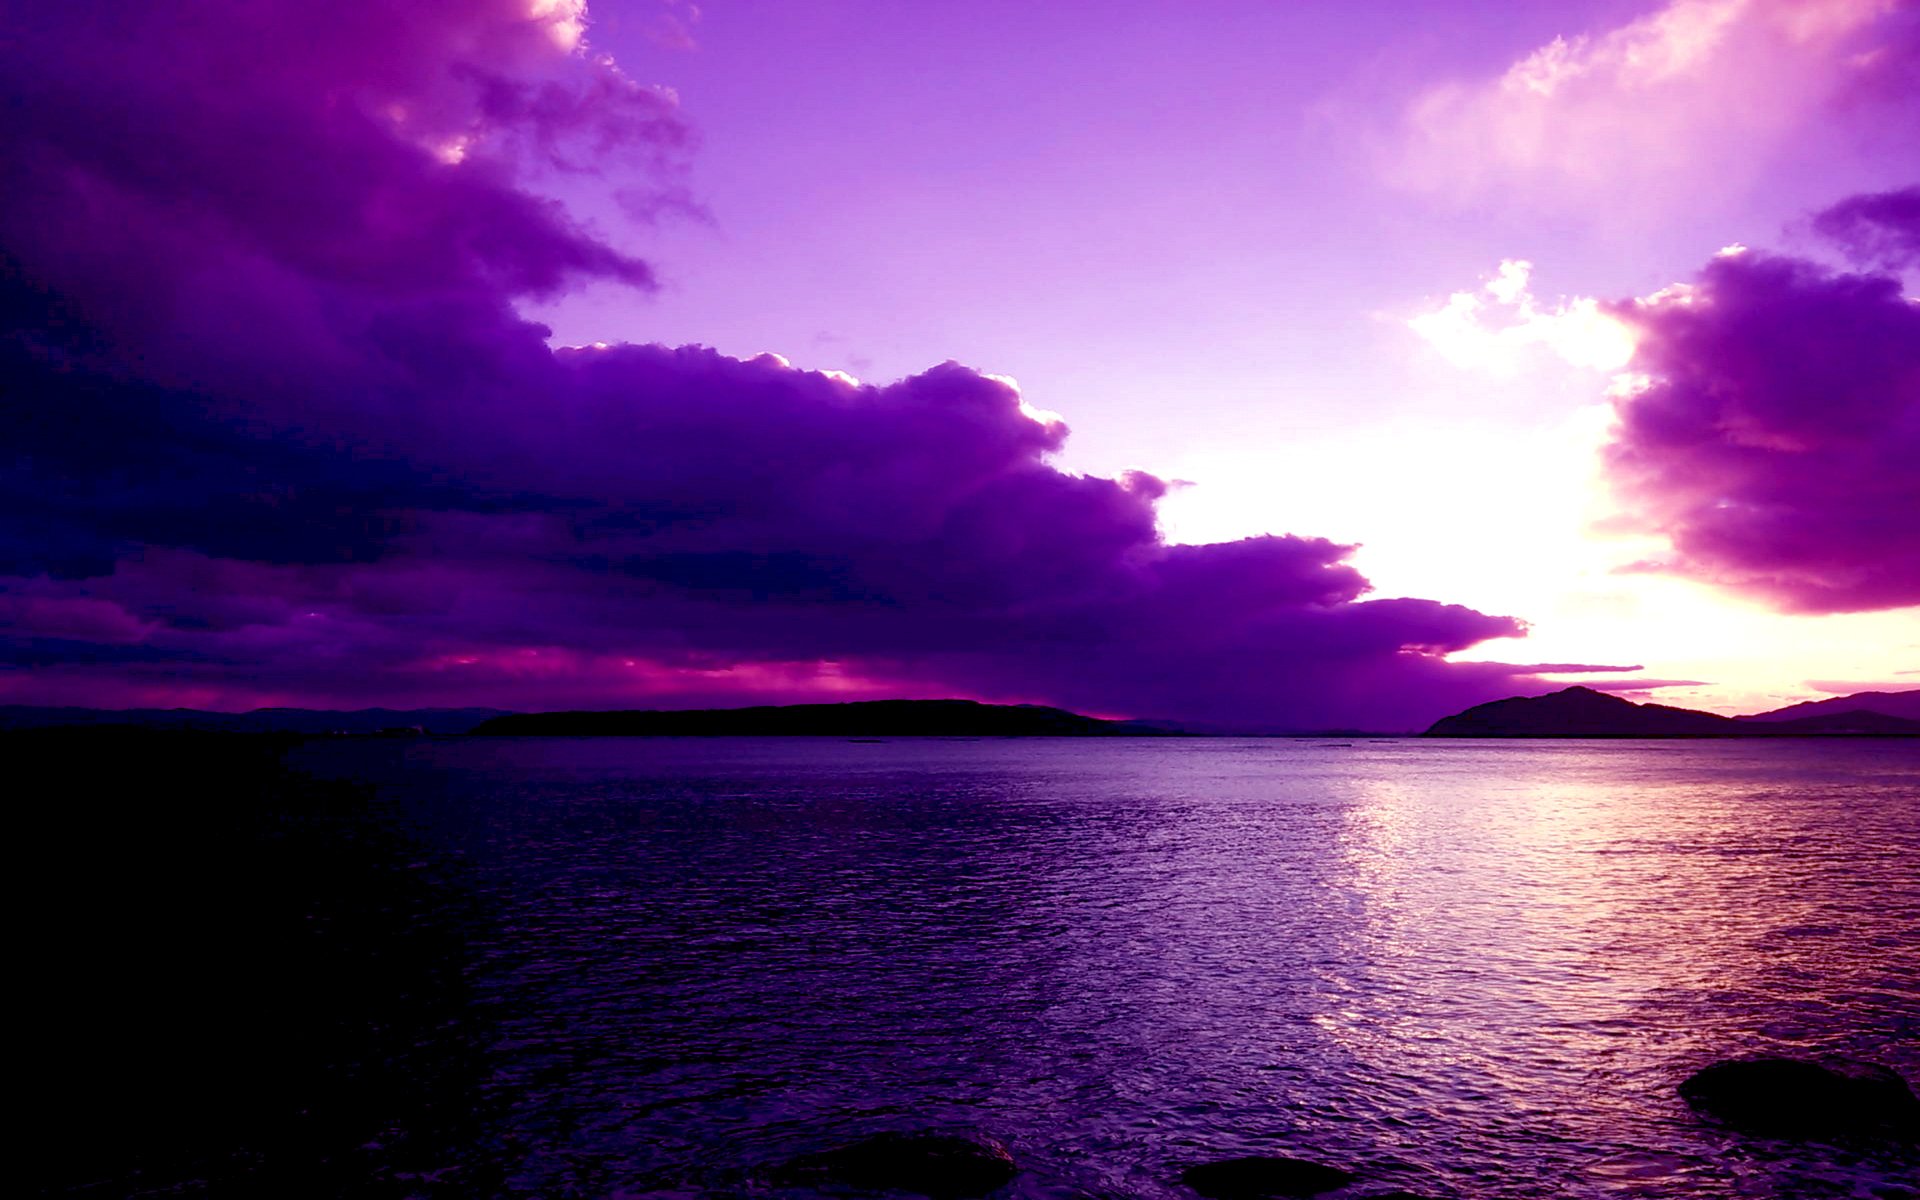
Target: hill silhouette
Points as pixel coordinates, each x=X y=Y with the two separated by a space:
x=1580 y=712
x=259 y=720
x=1851 y=723
x=860 y=718
x=1904 y=704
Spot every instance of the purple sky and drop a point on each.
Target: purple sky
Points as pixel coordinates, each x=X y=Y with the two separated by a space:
x=339 y=354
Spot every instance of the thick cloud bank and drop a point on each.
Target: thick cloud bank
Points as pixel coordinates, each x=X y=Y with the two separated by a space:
x=1776 y=439
x=276 y=433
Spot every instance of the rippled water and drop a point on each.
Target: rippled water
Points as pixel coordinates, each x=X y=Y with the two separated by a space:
x=1464 y=969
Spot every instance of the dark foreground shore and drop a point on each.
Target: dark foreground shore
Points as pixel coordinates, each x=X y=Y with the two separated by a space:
x=237 y=980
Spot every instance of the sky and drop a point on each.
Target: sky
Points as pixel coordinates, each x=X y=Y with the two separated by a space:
x=1258 y=366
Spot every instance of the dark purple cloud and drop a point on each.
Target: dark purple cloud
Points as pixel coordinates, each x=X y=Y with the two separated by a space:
x=1877 y=230
x=1775 y=443
x=278 y=433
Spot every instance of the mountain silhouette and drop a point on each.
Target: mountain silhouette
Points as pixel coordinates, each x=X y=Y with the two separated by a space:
x=1894 y=704
x=259 y=720
x=860 y=718
x=1580 y=712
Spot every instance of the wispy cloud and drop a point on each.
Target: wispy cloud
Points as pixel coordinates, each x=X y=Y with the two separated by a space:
x=1693 y=95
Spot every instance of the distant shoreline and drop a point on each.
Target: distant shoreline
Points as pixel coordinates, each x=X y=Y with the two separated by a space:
x=1573 y=714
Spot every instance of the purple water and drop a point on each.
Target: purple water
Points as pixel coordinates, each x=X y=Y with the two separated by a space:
x=1464 y=969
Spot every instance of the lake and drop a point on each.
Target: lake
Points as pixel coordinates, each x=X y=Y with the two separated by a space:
x=1465 y=969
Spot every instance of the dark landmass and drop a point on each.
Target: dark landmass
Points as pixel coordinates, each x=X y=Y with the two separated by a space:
x=862 y=718
x=240 y=980
x=1854 y=723
x=1893 y=704
x=1579 y=712
x=1576 y=712
x=260 y=720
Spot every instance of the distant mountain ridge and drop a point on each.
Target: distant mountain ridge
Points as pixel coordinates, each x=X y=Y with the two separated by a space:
x=259 y=720
x=1574 y=712
x=1904 y=704
x=860 y=718
x=1580 y=712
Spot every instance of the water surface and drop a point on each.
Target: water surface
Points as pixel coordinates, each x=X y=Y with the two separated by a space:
x=1465 y=969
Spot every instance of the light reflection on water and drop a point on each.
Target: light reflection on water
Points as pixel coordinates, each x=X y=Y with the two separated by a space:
x=1464 y=969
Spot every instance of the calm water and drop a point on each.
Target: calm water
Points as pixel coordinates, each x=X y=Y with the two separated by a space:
x=1471 y=970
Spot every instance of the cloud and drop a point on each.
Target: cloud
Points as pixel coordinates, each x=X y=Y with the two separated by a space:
x=1691 y=95
x=1640 y=687
x=1877 y=231
x=280 y=435
x=1851 y=687
x=1575 y=669
x=1773 y=434
x=722 y=523
x=1501 y=326
x=672 y=28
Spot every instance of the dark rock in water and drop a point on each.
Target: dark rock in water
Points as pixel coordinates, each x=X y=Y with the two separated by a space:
x=942 y=1165
x=1785 y=1097
x=1259 y=1176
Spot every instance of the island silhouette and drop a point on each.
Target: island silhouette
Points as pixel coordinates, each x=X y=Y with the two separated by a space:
x=859 y=718
x=1574 y=712
x=1581 y=712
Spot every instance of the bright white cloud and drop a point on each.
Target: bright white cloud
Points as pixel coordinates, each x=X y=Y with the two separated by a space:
x=566 y=20
x=1501 y=327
